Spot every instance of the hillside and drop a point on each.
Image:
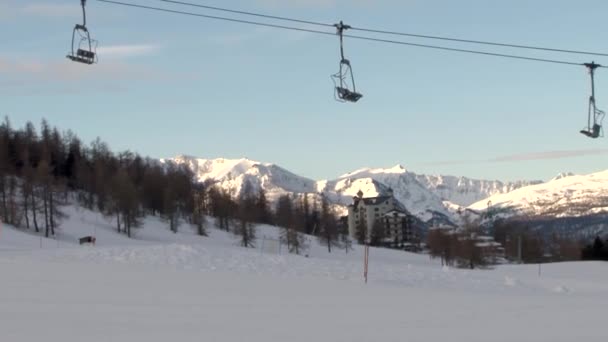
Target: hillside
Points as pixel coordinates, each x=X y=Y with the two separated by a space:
x=162 y=285
x=563 y=196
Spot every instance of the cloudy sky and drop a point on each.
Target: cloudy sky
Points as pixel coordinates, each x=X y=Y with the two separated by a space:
x=168 y=84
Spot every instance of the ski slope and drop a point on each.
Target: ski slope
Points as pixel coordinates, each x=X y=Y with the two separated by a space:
x=163 y=286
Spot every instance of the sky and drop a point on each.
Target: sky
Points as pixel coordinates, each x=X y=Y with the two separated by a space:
x=168 y=84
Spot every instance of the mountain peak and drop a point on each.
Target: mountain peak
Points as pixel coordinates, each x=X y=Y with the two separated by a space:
x=563 y=175
x=397 y=169
x=369 y=172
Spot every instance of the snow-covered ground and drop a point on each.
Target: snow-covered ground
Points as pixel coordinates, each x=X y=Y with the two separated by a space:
x=162 y=286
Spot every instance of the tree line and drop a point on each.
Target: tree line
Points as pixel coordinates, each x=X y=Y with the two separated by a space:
x=43 y=169
x=598 y=250
x=518 y=242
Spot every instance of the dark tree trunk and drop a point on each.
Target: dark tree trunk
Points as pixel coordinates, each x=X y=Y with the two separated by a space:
x=46 y=215
x=26 y=210
x=118 y=221
x=4 y=205
x=52 y=212
x=34 y=213
x=128 y=226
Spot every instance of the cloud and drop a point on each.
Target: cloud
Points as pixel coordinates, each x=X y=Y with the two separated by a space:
x=533 y=156
x=67 y=71
x=549 y=155
x=26 y=77
x=124 y=51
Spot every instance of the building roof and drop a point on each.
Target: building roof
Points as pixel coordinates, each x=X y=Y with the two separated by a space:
x=376 y=200
x=380 y=200
x=400 y=213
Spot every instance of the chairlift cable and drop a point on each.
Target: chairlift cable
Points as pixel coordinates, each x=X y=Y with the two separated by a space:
x=546 y=60
x=387 y=41
x=386 y=32
x=481 y=42
x=217 y=17
x=267 y=16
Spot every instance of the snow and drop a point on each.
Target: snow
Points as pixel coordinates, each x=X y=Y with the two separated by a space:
x=163 y=286
x=465 y=191
x=561 y=195
x=233 y=173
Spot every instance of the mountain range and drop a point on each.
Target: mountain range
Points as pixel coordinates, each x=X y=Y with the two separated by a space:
x=423 y=195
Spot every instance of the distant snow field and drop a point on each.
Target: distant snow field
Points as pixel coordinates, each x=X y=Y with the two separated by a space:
x=162 y=286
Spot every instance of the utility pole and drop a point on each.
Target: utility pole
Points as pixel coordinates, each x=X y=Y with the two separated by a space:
x=366 y=262
x=519 y=256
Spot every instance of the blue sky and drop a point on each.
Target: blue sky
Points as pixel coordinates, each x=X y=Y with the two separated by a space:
x=168 y=84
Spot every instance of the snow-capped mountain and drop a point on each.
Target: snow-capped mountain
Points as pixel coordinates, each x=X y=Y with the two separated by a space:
x=231 y=174
x=415 y=196
x=424 y=196
x=564 y=196
x=465 y=191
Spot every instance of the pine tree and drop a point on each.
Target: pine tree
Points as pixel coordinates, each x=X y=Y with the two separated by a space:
x=290 y=219
x=198 y=213
x=378 y=233
x=247 y=213
x=5 y=169
x=328 y=231
x=264 y=215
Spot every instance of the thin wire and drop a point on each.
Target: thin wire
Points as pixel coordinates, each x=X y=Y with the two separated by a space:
x=217 y=18
x=529 y=47
x=346 y=36
x=249 y=13
x=459 y=40
x=466 y=51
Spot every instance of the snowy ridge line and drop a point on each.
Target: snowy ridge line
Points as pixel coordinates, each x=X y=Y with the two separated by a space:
x=566 y=195
x=423 y=195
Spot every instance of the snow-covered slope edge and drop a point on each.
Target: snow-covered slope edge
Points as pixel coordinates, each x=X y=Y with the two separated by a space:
x=564 y=196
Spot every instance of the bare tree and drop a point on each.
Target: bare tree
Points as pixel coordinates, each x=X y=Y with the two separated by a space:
x=198 y=212
x=287 y=219
x=246 y=216
x=328 y=226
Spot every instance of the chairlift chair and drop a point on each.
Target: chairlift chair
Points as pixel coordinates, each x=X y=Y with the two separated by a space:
x=344 y=80
x=595 y=116
x=83 y=47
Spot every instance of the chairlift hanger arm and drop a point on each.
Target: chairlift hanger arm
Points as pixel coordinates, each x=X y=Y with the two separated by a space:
x=83 y=3
x=340 y=27
x=592 y=67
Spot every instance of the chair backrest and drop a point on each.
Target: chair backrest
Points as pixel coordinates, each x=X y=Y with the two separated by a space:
x=85 y=54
